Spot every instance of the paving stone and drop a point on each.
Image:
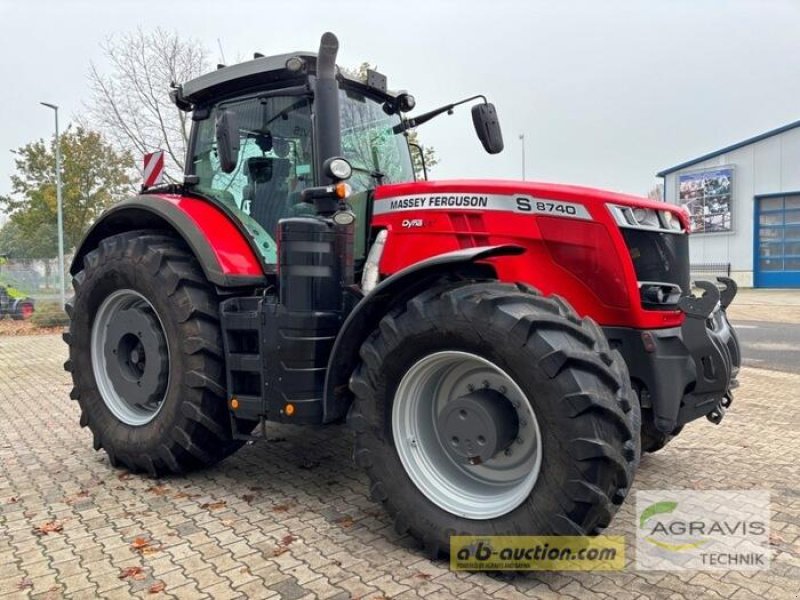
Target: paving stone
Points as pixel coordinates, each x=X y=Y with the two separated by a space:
x=280 y=533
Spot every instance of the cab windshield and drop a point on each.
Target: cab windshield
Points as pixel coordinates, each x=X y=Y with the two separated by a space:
x=376 y=153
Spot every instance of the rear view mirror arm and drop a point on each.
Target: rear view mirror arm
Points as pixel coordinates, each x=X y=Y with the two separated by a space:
x=413 y=122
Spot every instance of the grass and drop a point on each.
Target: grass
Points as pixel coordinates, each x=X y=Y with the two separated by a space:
x=49 y=314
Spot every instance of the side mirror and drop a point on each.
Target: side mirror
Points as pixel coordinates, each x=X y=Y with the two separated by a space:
x=227 y=130
x=484 y=117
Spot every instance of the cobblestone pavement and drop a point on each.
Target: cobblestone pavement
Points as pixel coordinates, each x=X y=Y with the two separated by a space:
x=291 y=519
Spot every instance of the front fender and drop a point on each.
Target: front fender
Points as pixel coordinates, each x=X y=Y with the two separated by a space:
x=224 y=251
x=366 y=315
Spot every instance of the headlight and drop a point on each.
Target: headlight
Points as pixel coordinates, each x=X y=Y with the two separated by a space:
x=640 y=217
x=338 y=168
x=646 y=217
x=670 y=221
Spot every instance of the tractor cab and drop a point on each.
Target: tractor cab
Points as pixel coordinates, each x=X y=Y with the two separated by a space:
x=264 y=128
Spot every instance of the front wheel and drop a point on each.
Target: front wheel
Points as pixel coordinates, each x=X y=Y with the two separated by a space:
x=487 y=409
x=146 y=355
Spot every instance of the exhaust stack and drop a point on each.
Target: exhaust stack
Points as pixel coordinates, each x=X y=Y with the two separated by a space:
x=329 y=141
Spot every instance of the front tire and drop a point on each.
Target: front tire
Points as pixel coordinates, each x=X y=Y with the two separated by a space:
x=146 y=356
x=553 y=368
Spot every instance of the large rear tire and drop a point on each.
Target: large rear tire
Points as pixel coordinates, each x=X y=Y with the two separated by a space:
x=146 y=356
x=570 y=393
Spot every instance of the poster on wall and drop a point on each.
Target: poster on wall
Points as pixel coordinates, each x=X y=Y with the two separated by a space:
x=708 y=196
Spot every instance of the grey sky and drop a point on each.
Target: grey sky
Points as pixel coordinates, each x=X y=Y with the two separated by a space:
x=607 y=92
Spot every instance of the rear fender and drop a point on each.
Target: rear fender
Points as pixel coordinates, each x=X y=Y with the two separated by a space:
x=398 y=288
x=223 y=250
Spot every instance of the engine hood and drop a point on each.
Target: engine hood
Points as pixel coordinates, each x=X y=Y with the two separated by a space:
x=552 y=191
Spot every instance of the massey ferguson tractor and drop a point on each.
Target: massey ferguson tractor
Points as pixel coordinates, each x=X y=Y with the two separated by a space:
x=502 y=350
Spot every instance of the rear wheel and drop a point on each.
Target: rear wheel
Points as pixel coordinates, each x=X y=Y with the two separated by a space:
x=146 y=355
x=485 y=408
x=23 y=310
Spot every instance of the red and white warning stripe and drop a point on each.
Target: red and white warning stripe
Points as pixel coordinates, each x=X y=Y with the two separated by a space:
x=153 y=168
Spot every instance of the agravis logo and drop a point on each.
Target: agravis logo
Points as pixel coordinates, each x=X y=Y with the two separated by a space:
x=688 y=529
x=660 y=532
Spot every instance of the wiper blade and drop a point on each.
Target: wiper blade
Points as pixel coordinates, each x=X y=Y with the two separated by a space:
x=377 y=175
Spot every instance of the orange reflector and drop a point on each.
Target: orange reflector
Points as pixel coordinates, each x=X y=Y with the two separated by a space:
x=289 y=410
x=234 y=403
x=342 y=190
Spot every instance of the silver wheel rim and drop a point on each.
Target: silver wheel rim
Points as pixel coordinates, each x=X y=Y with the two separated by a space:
x=130 y=413
x=484 y=491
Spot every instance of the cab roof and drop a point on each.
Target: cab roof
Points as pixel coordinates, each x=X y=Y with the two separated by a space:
x=260 y=72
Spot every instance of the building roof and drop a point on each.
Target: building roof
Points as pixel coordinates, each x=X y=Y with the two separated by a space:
x=730 y=148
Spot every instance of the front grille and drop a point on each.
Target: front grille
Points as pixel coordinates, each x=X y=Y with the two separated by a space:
x=659 y=257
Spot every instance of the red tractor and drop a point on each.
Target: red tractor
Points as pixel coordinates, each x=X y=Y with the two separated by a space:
x=502 y=350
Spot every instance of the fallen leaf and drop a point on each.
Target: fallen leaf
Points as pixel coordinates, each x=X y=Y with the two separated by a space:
x=248 y=497
x=54 y=593
x=282 y=507
x=157 y=587
x=284 y=544
x=136 y=573
x=346 y=521
x=214 y=505
x=424 y=576
x=78 y=496
x=139 y=544
x=776 y=539
x=24 y=583
x=49 y=527
x=125 y=476
x=307 y=465
x=12 y=500
x=158 y=490
x=256 y=488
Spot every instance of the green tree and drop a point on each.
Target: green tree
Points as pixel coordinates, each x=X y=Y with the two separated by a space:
x=429 y=152
x=93 y=176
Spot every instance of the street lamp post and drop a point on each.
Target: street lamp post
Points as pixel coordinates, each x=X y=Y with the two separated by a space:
x=522 y=141
x=59 y=209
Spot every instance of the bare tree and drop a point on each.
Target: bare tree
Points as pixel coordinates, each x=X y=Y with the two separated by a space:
x=657 y=193
x=130 y=103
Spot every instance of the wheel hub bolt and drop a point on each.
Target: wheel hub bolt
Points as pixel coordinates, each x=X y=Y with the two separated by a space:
x=471 y=387
x=485 y=383
x=508 y=452
x=519 y=440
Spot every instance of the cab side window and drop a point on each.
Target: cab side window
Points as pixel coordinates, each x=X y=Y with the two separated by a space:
x=274 y=163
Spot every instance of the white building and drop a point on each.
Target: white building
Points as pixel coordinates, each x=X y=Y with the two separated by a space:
x=744 y=202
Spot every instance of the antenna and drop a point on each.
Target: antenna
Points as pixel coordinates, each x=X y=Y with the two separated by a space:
x=221 y=53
